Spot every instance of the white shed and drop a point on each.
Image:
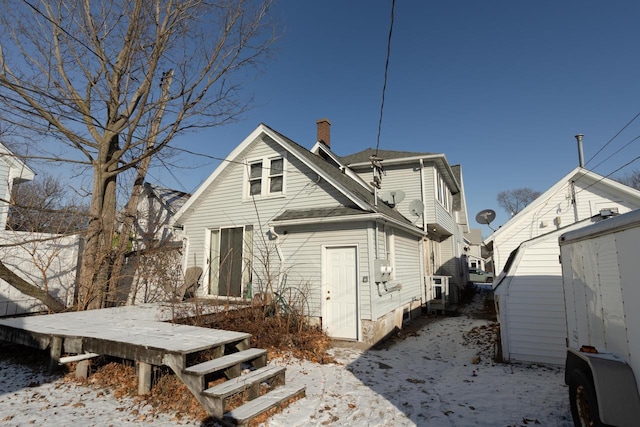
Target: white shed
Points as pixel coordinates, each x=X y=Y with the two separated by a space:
x=530 y=302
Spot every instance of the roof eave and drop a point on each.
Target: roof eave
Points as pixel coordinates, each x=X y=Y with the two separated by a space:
x=350 y=218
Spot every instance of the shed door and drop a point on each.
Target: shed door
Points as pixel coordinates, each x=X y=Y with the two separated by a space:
x=341 y=320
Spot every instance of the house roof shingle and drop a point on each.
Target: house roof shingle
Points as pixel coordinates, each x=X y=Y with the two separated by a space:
x=340 y=178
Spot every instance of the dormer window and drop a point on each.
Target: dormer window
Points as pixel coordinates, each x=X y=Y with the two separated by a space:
x=265 y=177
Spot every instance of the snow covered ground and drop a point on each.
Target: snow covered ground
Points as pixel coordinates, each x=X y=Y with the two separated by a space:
x=426 y=379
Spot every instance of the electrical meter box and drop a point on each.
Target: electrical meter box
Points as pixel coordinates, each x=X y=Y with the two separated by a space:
x=382 y=271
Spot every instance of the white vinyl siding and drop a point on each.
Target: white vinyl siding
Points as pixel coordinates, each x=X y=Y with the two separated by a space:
x=223 y=205
x=302 y=251
x=530 y=302
x=406 y=261
x=5 y=189
x=557 y=211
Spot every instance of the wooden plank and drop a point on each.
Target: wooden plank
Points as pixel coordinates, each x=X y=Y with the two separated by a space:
x=243 y=414
x=243 y=382
x=77 y=358
x=225 y=361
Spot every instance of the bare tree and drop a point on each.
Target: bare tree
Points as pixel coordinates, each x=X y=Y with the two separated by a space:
x=513 y=201
x=114 y=82
x=632 y=179
x=44 y=206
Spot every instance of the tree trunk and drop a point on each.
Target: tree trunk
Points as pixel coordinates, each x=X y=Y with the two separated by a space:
x=131 y=210
x=97 y=254
x=29 y=289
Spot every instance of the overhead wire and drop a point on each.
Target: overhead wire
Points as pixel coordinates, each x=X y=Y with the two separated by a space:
x=386 y=72
x=612 y=138
x=565 y=187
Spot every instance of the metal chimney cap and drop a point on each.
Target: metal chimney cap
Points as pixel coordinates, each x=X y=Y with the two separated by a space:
x=579 y=136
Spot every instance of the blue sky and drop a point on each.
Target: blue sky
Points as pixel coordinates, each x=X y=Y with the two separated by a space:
x=499 y=87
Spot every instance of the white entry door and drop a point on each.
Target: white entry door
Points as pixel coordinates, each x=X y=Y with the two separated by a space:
x=340 y=293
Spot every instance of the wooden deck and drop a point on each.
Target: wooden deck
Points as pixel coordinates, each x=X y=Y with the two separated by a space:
x=142 y=333
x=139 y=333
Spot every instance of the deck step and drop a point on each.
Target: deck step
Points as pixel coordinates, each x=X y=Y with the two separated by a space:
x=225 y=361
x=244 y=382
x=245 y=413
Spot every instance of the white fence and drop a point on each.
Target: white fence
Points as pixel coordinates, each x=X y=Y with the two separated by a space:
x=44 y=260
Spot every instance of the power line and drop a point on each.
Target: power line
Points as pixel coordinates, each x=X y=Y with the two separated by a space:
x=386 y=71
x=616 y=152
x=612 y=138
x=39 y=12
x=564 y=188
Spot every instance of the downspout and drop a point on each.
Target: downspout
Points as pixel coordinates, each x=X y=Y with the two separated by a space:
x=425 y=250
x=423 y=195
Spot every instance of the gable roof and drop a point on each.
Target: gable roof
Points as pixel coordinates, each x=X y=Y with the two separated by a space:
x=19 y=169
x=579 y=173
x=362 y=199
x=173 y=200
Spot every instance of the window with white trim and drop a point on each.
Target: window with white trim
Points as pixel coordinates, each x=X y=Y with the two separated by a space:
x=443 y=192
x=265 y=177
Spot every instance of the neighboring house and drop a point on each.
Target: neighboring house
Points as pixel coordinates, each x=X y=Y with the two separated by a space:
x=581 y=194
x=156 y=208
x=528 y=293
x=42 y=259
x=433 y=198
x=473 y=248
x=152 y=271
x=276 y=217
x=12 y=171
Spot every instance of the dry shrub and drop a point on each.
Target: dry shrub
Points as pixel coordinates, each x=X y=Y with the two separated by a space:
x=278 y=333
x=172 y=395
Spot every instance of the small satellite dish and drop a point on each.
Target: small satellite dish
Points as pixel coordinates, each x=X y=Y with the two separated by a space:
x=416 y=207
x=485 y=216
x=392 y=198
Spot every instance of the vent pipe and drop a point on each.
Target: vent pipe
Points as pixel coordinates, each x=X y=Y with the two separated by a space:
x=580 y=152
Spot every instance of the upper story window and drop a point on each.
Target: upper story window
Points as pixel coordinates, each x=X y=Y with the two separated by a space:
x=443 y=192
x=276 y=175
x=266 y=176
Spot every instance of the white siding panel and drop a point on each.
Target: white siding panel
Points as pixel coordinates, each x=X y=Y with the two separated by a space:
x=558 y=211
x=405 y=178
x=534 y=316
x=4 y=193
x=302 y=250
x=223 y=204
x=407 y=273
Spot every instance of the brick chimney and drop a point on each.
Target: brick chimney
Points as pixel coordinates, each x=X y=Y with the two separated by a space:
x=324 y=132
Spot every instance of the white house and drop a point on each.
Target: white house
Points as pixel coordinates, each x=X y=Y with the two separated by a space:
x=275 y=216
x=528 y=293
x=156 y=208
x=12 y=171
x=579 y=195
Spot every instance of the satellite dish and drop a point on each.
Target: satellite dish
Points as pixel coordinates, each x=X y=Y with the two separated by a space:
x=392 y=198
x=416 y=207
x=485 y=216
